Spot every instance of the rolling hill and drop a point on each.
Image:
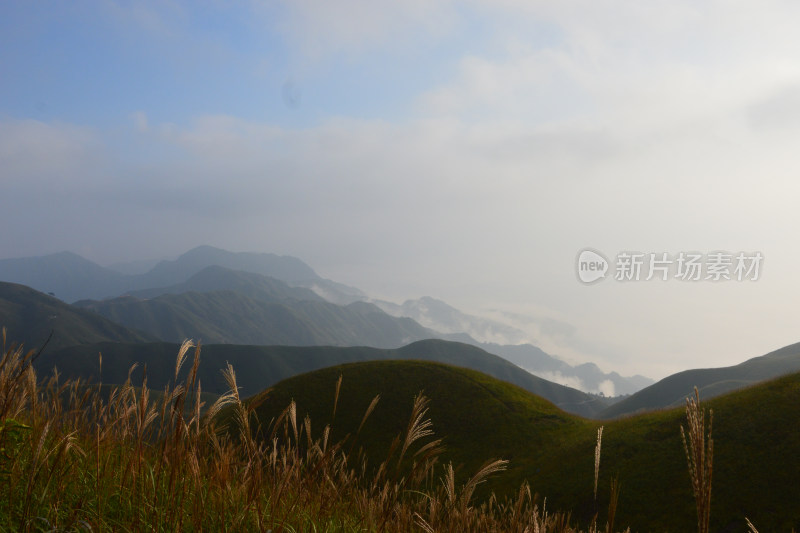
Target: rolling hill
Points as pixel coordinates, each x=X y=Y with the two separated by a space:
x=756 y=437
x=670 y=391
x=29 y=316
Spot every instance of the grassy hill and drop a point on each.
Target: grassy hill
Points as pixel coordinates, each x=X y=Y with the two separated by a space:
x=480 y=417
x=756 y=436
x=29 y=316
x=670 y=391
x=259 y=367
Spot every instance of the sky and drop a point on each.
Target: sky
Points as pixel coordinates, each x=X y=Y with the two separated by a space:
x=467 y=151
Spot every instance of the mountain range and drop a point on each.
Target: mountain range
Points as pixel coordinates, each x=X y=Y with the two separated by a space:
x=271 y=299
x=512 y=343
x=672 y=390
x=31 y=317
x=70 y=277
x=220 y=305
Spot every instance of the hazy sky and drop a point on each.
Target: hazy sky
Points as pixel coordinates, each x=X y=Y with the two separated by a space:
x=463 y=150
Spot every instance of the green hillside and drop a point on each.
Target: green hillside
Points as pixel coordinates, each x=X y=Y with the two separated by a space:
x=259 y=367
x=670 y=391
x=30 y=316
x=480 y=417
x=755 y=430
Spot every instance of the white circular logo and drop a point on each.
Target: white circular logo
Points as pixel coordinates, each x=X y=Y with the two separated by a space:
x=591 y=266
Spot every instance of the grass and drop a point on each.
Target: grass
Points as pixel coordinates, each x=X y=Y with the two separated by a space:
x=81 y=458
x=361 y=448
x=260 y=367
x=643 y=465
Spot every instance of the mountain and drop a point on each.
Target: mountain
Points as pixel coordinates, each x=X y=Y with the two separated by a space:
x=71 y=278
x=670 y=391
x=290 y=270
x=65 y=275
x=440 y=316
x=227 y=316
x=216 y=278
x=258 y=367
x=286 y=268
x=30 y=316
x=480 y=418
x=587 y=377
x=511 y=343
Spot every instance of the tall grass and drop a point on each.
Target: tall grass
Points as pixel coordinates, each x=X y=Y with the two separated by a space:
x=699 y=448
x=80 y=457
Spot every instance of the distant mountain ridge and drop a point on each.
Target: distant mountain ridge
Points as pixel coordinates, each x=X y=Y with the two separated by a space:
x=436 y=314
x=30 y=316
x=232 y=317
x=283 y=282
x=586 y=376
x=672 y=390
x=216 y=278
x=511 y=343
x=70 y=277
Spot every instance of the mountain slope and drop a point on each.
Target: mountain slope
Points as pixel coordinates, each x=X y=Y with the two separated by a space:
x=216 y=278
x=586 y=377
x=288 y=269
x=72 y=278
x=480 y=417
x=670 y=391
x=68 y=276
x=285 y=268
x=221 y=317
x=756 y=466
x=29 y=316
x=259 y=367
x=511 y=343
x=436 y=314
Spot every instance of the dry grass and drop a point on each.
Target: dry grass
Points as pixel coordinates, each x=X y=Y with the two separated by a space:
x=597 y=459
x=75 y=459
x=700 y=458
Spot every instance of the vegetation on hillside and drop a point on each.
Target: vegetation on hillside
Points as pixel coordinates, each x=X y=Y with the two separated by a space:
x=260 y=367
x=80 y=458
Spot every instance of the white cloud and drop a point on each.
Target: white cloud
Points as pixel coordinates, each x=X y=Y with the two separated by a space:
x=321 y=28
x=662 y=126
x=606 y=388
x=557 y=377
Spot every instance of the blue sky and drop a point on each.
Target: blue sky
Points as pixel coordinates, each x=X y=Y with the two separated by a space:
x=89 y=62
x=463 y=150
